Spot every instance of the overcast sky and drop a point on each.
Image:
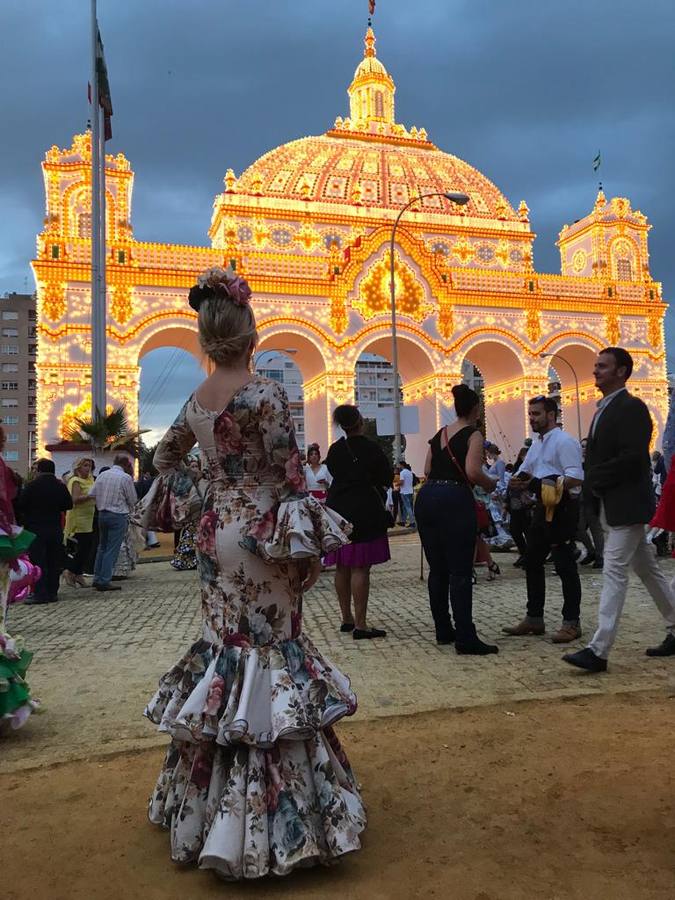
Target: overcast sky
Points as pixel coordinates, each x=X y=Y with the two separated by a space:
x=527 y=91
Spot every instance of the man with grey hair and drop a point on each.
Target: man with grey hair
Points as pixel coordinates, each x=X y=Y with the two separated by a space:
x=115 y=498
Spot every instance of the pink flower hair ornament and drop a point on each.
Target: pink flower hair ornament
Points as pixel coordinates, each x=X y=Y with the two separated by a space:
x=219 y=282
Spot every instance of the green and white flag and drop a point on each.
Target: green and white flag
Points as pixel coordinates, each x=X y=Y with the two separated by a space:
x=596 y=162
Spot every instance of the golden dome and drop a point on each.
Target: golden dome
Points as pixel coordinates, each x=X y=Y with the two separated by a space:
x=372 y=161
x=380 y=173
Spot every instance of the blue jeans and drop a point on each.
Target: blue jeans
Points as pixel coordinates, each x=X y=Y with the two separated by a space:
x=111 y=530
x=446 y=521
x=407 y=514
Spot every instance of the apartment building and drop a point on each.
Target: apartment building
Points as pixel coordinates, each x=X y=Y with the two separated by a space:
x=18 y=351
x=374 y=384
x=277 y=366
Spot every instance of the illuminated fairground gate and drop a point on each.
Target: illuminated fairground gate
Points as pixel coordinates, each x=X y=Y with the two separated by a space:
x=308 y=224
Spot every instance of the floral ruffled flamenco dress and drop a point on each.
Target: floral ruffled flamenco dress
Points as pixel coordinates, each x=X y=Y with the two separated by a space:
x=254 y=781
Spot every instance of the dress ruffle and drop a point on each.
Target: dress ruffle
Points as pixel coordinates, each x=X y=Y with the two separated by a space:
x=255 y=695
x=15 y=542
x=255 y=781
x=247 y=812
x=173 y=501
x=299 y=529
x=16 y=703
x=665 y=511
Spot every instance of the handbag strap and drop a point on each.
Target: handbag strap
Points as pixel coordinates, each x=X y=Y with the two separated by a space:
x=454 y=458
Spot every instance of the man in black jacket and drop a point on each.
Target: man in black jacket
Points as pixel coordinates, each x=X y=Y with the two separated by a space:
x=619 y=477
x=42 y=503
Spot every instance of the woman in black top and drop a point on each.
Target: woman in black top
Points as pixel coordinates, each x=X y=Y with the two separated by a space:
x=446 y=519
x=361 y=474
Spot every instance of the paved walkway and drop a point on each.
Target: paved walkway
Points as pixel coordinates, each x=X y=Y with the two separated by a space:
x=98 y=656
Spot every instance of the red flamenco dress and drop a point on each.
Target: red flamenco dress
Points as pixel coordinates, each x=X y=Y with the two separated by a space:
x=664 y=517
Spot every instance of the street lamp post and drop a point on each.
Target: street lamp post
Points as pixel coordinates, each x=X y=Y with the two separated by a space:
x=576 y=383
x=454 y=197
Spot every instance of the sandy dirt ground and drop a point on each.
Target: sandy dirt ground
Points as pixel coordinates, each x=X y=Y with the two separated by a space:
x=566 y=798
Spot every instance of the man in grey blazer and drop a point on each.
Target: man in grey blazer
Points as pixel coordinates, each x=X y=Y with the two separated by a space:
x=618 y=475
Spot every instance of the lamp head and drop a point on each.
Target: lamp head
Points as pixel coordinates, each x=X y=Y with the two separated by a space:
x=456 y=197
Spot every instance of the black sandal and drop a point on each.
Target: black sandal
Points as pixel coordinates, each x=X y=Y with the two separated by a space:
x=347 y=626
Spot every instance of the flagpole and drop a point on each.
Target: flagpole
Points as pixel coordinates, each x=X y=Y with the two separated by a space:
x=97 y=397
x=101 y=387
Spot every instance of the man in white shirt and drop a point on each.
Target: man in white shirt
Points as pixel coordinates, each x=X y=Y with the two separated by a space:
x=115 y=497
x=553 y=454
x=407 y=492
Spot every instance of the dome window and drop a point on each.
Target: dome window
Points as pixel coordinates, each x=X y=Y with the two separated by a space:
x=379 y=105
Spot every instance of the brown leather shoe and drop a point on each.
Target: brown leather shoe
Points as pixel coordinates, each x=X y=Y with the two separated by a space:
x=565 y=634
x=525 y=627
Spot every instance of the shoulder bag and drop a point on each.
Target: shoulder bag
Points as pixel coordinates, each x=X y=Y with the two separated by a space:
x=484 y=521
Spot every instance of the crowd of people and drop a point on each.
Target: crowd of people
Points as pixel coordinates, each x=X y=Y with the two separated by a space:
x=562 y=502
x=255 y=780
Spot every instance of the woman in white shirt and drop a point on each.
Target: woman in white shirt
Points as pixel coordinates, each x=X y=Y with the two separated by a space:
x=317 y=475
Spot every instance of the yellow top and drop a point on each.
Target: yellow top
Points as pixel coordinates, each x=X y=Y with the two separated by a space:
x=80 y=519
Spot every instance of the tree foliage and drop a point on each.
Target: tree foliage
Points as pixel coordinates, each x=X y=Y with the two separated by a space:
x=386 y=441
x=107 y=432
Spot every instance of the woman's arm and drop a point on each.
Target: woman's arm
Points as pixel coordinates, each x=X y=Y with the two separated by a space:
x=382 y=470
x=427 y=463
x=474 y=464
x=279 y=441
x=79 y=495
x=178 y=440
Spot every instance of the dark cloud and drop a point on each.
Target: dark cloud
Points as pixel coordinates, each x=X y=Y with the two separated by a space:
x=525 y=90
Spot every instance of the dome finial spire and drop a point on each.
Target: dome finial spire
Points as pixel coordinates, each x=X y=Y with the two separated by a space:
x=369 y=42
x=371 y=93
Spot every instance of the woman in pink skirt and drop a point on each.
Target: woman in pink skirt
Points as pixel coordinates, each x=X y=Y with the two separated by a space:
x=361 y=474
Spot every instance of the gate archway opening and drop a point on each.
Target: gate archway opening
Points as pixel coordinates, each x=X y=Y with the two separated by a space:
x=416 y=383
x=498 y=373
x=570 y=360
x=171 y=363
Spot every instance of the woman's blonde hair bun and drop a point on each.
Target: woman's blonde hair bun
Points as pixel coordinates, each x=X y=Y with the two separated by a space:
x=226 y=321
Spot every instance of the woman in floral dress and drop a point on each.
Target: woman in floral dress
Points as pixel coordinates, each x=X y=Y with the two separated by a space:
x=254 y=781
x=185 y=554
x=127 y=557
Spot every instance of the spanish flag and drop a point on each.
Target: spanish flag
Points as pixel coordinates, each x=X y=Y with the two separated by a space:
x=104 y=97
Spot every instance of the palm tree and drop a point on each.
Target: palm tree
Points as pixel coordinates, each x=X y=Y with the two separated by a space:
x=107 y=432
x=145 y=458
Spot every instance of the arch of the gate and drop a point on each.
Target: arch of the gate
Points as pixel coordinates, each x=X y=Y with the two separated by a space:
x=324 y=385
x=157 y=334
x=574 y=354
x=182 y=337
x=419 y=366
x=505 y=362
